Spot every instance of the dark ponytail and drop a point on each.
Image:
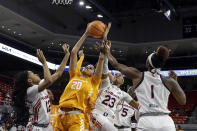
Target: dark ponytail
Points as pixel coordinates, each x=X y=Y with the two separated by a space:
x=19 y=98
x=160 y=57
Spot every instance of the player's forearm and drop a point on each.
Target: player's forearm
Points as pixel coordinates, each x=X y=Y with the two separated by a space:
x=179 y=94
x=79 y=43
x=63 y=64
x=112 y=60
x=105 y=65
x=99 y=67
x=47 y=74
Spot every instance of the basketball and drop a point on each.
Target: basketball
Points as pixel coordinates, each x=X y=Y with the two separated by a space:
x=96 y=29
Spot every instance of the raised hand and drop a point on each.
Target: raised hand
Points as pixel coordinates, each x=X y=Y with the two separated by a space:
x=66 y=47
x=86 y=32
x=173 y=75
x=100 y=47
x=107 y=46
x=80 y=53
x=106 y=31
x=41 y=56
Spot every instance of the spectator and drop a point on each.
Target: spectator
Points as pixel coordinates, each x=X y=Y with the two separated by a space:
x=178 y=128
x=3 y=128
x=13 y=128
x=175 y=111
x=182 y=111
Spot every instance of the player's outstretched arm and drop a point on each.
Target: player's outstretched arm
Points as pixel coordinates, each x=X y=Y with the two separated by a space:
x=175 y=88
x=61 y=68
x=73 y=57
x=130 y=72
x=47 y=76
x=99 y=67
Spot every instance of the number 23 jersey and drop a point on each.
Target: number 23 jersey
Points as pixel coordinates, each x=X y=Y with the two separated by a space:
x=109 y=97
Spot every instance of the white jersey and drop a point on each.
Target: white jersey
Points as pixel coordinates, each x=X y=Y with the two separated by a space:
x=125 y=114
x=39 y=105
x=152 y=94
x=108 y=98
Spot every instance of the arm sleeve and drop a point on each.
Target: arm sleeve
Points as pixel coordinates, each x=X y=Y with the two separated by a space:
x=105 y=66
x=127 y=97
x=32 y=93
x=76 y=71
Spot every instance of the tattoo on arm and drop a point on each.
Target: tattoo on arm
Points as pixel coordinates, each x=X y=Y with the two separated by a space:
x=176 y=90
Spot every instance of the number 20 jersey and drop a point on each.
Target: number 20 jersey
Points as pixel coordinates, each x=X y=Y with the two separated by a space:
x=152 y=94
x=109 y=97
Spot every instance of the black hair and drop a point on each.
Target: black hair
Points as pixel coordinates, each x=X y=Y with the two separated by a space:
x=159 y=58
x=19 y=98
x=157 y=61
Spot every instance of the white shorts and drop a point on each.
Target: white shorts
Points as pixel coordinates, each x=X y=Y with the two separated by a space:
x=31 y=127
x=98 y=122
x=125 y=129
x=155 y=123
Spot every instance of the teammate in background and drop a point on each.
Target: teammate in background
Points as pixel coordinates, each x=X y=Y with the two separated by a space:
x=152 y=91
x=103 y=116
x=76 y=97
x=30 y=97
x=124 y=117
x=53 y=109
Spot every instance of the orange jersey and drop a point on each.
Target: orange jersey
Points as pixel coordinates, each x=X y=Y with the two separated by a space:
x=54 y=114
x=79 y=90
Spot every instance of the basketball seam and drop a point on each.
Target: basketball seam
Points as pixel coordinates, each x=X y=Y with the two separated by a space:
x=96 y=29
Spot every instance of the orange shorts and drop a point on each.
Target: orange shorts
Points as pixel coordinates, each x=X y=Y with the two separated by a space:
x=70 y=122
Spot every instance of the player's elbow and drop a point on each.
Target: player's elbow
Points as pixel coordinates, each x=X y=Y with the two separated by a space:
x=49 y=81
x=181 y=99
x=73 y=52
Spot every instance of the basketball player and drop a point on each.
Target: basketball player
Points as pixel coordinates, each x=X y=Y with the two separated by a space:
x=53 y=109
x=124 y=117
x=103 y=116
x=76 y=97
x=30 y=97
x=152 y=91
x=127 y=114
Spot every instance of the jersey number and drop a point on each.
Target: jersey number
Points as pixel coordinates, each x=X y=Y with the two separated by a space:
x=76 y=85
x=48 y=106
x=109 y=101
x=152 y=91
x=124 y=112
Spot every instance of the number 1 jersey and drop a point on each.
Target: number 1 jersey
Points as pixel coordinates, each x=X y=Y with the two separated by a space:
x=152 y=94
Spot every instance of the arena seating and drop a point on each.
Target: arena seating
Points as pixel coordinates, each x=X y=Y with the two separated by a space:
x=180 y=113
x=6 y=89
